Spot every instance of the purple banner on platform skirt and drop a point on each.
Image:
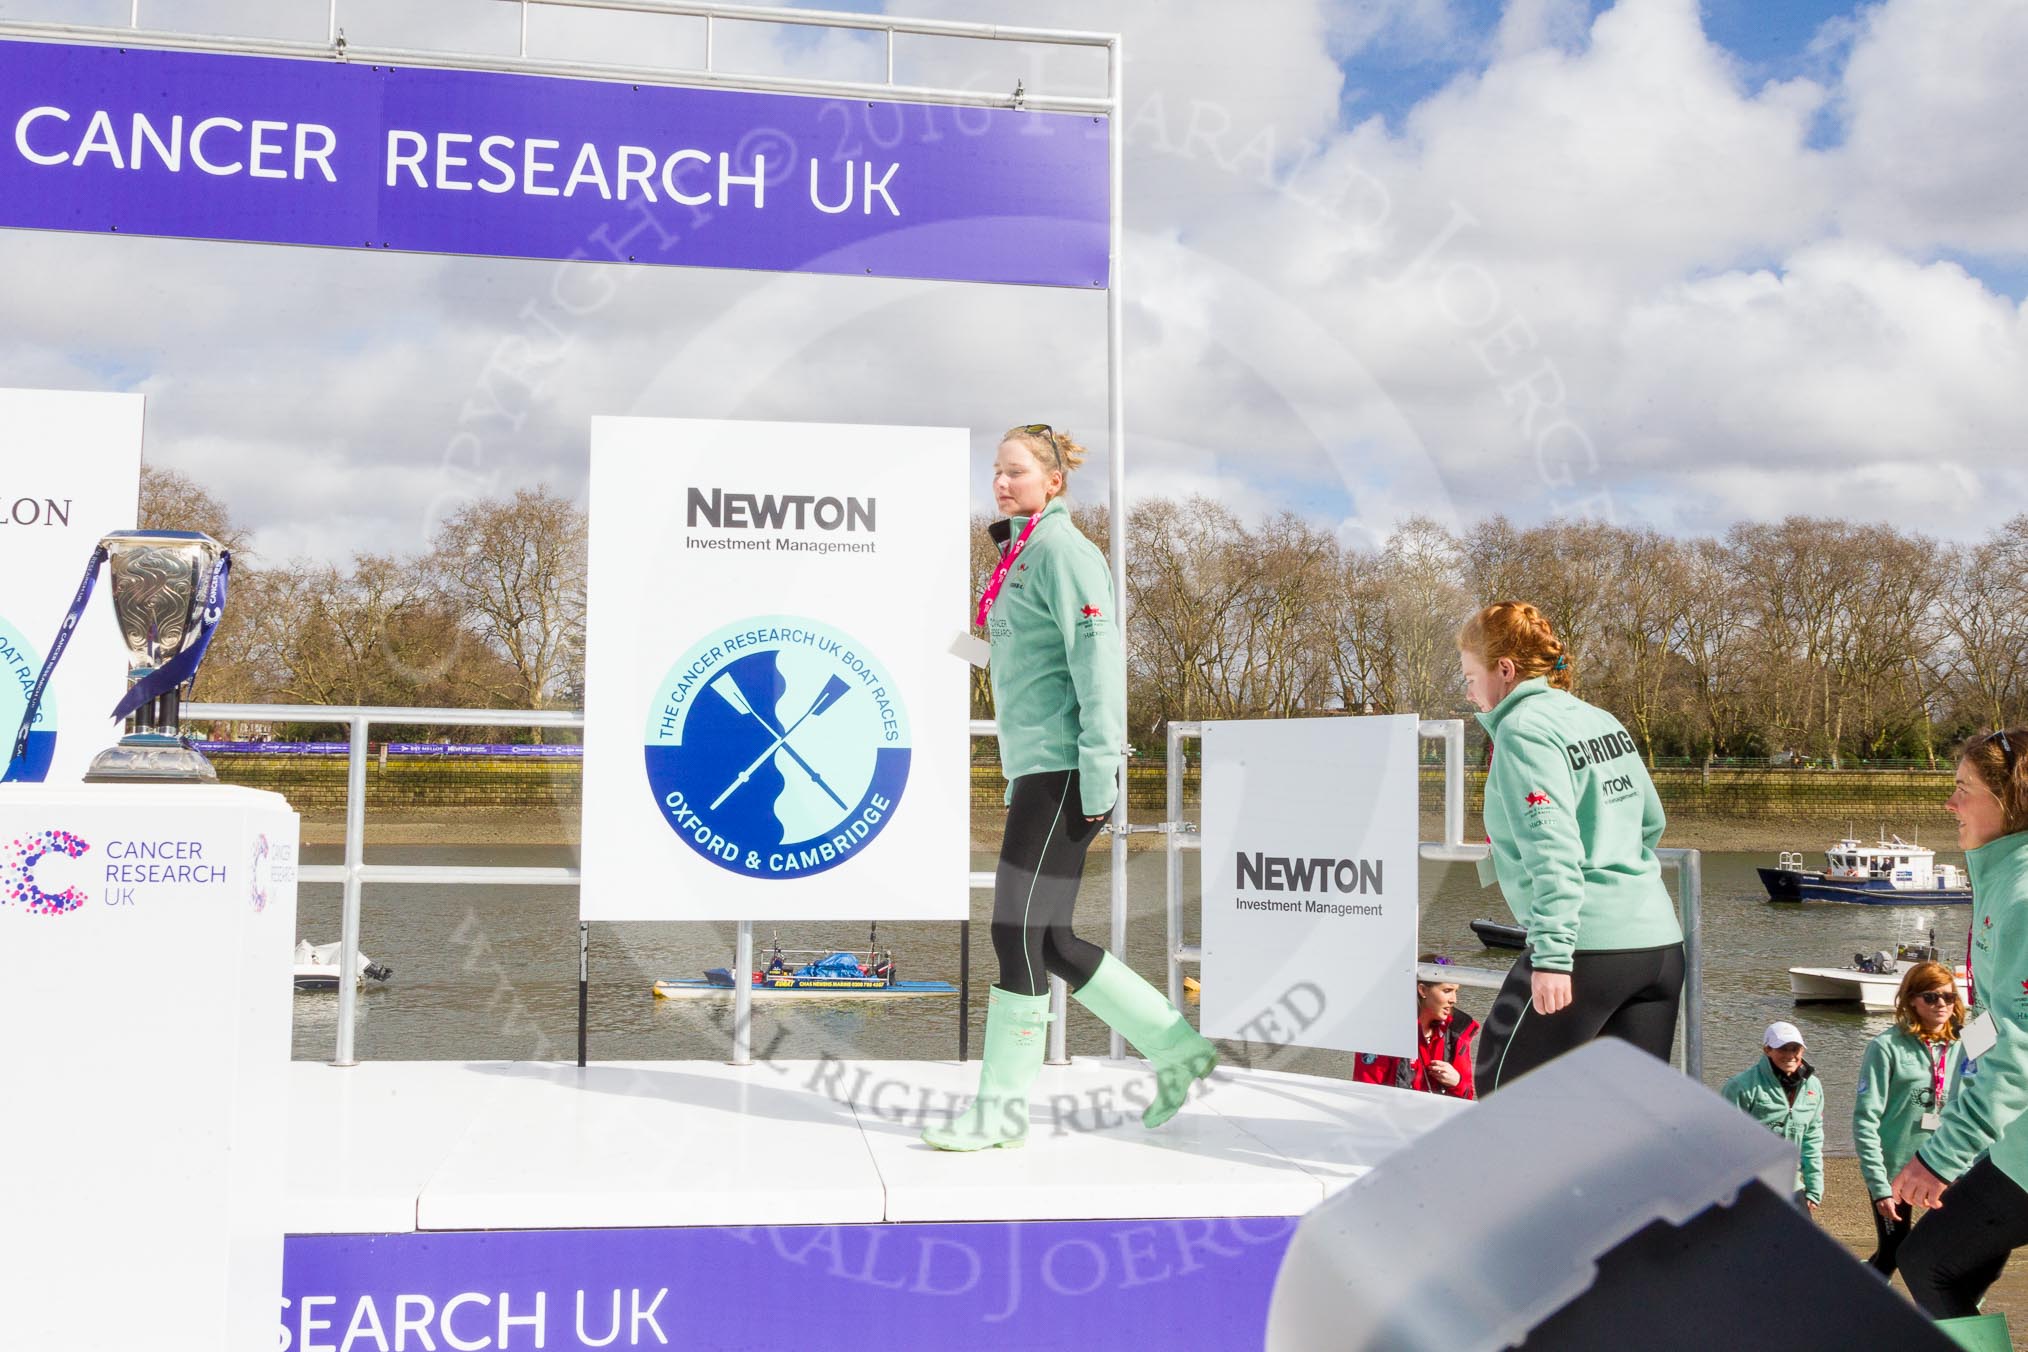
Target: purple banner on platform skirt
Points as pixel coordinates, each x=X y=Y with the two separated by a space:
x=1033 y=1285
x=289 y=151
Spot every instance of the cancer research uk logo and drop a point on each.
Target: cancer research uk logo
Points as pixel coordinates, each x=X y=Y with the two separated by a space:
x=23 y=854
x=19 y=663
x=777 y=747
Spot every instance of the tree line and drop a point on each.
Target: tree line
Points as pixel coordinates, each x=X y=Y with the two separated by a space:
x=1807 y=638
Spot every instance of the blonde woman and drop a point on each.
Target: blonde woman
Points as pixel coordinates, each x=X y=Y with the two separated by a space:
x=1059 y=696
x=1904 y=1083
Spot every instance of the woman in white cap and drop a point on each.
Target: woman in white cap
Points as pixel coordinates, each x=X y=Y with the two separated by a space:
x=1781 y=1091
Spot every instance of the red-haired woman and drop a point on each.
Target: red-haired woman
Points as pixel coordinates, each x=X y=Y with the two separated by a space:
x=1573 y=820
x=1904 y=1083
x=1972 y=1172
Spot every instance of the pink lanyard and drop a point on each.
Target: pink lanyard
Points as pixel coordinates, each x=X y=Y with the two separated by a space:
x=992 y=592
x=1936 y=1076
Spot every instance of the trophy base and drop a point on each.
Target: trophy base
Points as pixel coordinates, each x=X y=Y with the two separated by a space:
x=150 y=760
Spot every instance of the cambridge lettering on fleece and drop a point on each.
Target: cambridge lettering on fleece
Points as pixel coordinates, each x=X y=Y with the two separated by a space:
x=1058 y=669
x=1574 y=820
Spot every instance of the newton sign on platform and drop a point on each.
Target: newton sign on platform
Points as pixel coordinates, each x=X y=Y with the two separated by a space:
x=1311 y=905
x=775 y=728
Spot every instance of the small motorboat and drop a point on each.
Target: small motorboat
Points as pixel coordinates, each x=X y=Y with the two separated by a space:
x=825 y=972
x=1892 y=872
x=1495 y=934
x=1870 y=981
x=317 y=967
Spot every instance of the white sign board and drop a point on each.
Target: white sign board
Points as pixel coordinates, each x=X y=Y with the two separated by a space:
x=74 y=474
x=152 y=1140
x=775 y=727
x=1310 y=877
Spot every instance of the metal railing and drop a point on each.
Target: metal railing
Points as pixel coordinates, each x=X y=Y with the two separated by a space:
x=1452 y=849
x=355 y=873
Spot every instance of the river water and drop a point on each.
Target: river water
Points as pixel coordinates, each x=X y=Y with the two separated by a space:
x=485 y=972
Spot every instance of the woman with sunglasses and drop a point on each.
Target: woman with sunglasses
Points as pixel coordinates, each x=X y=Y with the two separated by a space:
x=1059 y=696
x=1971 y=1174
x=1904 y=1083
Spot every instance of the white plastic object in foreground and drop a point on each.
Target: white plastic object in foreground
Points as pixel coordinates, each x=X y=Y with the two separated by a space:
x=144 y=1144
x=1602 y=1141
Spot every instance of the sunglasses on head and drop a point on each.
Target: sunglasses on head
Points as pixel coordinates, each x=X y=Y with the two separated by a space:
x=1937 y=997
x=1044 y=431
x=2006 y=747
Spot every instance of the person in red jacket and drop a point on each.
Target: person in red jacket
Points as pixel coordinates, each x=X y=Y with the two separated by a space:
x=1443 y=1057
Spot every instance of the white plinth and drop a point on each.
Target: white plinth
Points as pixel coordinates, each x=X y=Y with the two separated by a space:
x=145 y=939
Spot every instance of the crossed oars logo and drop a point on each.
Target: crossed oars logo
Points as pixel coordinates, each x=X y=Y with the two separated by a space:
x=728 y=690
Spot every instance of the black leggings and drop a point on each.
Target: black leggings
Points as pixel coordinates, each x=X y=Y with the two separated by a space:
x=1627 y=993
x=1890 y=1234
x=1956 y=1252
x=1035 y=888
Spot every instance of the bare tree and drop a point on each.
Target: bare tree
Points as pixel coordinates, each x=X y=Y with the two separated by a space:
x=514 y=572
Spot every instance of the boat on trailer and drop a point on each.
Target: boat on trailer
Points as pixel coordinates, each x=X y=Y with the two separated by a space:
x=811 y=971
x=1891 y=872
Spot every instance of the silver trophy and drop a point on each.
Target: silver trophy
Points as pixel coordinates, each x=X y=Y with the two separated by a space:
x=159 y=581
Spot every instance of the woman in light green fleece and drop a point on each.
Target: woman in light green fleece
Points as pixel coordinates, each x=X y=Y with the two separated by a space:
x=1573 y=821
x=1972 y=1172
x=1059 y=697
x=1904 y=1084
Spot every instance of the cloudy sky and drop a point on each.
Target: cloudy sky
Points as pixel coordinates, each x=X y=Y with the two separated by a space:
x=1671 y=263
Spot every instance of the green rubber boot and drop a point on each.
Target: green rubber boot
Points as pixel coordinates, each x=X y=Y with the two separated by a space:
x=998 y=1117
x=1144 y=1017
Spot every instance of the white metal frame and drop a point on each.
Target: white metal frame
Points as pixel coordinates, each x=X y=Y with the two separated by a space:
x=1452 y=849
x=337 y=48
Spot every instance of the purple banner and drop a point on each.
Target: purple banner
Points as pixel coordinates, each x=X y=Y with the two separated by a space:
x=286 y=151
x=454 y=749
x=1034 y=1285
x=273 y=748
x=562 y=751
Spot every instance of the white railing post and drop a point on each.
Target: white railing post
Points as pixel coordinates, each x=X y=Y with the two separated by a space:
x=355 y=863
x=742 y=996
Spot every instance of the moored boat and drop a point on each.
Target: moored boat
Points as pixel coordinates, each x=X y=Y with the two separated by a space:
x=1892 y=872
x=827 y=972
x=1499 y=934
x=316 y=967
x=1869 y=981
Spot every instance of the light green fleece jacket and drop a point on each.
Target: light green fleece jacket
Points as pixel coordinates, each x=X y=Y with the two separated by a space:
x=1759 y=1093
x=1574 y=821
x=1984 y=1110
x=1058 y=669
x=1895 y=1077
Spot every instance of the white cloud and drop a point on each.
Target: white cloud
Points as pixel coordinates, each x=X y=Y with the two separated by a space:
x=1934 y=100
x=1725 y=316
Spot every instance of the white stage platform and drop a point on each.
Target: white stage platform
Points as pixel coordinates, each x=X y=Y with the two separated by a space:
x=399 y=1147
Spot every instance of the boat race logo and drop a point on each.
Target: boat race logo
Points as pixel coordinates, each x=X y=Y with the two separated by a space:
x=262 y=873
x=19 y=663
x=777 y=747
x=20 y=887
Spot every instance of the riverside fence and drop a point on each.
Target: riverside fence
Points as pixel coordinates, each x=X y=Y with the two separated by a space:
x=415 y=775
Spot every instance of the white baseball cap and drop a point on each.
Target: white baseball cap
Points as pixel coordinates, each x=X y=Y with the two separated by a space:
x=1781 y=1034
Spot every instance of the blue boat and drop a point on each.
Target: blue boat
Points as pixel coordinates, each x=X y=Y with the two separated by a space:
x=1892 y=872
x=827 y=972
